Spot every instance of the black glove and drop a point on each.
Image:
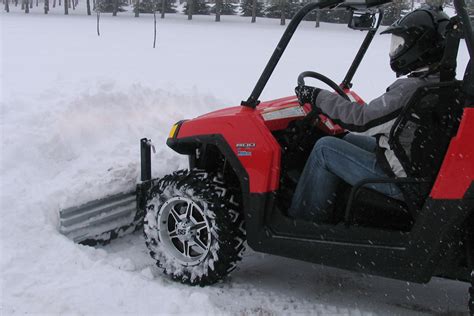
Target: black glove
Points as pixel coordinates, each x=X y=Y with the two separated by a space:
x=307 y=94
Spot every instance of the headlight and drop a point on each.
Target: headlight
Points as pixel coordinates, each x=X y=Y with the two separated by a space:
x=175 y=129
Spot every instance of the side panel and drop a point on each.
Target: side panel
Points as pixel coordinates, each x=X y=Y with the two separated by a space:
x=251 y=142
x=406 y=256
x=457 y=171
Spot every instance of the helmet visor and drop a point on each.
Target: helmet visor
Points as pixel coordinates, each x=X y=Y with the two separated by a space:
x=396 y=45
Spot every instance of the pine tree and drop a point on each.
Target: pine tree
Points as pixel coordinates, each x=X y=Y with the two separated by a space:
x=108 y=6
x=246 y=8
x=227 y=8
x=169 y=6
x=218 y=8
x=147 y=6
x=394 y=11
x=290 y=8
x=136 y=7
x=470 y=9
x=199 y=8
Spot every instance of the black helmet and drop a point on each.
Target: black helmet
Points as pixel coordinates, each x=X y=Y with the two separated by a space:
x=417 y=39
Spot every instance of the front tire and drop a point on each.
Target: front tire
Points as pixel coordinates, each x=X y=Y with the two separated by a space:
x=194 y=227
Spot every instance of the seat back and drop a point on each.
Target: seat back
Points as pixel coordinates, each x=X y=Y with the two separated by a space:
x=421 y=135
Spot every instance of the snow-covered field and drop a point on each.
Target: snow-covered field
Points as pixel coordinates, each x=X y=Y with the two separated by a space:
x=73 y=107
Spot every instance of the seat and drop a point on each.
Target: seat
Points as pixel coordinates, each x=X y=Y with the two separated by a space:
x=420 y=138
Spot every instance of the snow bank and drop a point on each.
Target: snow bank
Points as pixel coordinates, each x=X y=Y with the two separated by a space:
x=73 y=108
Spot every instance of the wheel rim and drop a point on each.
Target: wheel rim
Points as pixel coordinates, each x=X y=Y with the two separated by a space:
x=184 y=230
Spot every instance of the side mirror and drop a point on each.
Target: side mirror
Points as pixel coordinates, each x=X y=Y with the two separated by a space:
x=362 y=21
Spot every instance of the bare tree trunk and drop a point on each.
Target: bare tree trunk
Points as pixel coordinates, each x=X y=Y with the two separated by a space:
x=163 y=8
x=98 y=21
x=7 y=6
x=190 y=9
x=54 y=3
x=114 y=13
x=46 y=6
x=282 y=10
x=154 y=33
x=88 y=4
x=218 y=10
x=318 y=17
x=23 y=4
x=66 y=7
x=16 y=3
x=59 y=2
x=73 y=4
x=254 y=11
x=69 y=3
x=27 y=6
x=36 y=2
x=31 y=4
x=137 y=10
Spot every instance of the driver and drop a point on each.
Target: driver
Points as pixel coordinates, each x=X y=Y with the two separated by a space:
x=417 y=48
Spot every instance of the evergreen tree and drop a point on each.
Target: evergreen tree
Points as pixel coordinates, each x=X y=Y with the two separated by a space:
x=274 y=9
x=226 y=9
x=394 y=10
x=108 y=5
x=246 y=8
x=147 y=6
x=170 y=6
x=329 y=16
x=199 y=8
x=470 y=9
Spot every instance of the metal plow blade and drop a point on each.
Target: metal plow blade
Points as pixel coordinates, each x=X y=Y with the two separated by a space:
x=101 y=220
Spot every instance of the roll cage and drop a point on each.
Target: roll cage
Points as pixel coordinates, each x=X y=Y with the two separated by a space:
x=459 y=5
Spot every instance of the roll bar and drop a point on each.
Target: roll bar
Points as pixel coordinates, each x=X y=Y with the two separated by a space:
x=253 y=101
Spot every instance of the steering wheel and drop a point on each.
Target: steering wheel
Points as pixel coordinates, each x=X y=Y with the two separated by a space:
x=326 y=80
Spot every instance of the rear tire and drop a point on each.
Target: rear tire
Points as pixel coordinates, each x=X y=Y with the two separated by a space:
x=194 y=227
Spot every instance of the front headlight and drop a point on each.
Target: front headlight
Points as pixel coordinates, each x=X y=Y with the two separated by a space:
x=175 y=129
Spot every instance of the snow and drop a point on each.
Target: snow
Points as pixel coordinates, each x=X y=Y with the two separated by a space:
x=73 y=108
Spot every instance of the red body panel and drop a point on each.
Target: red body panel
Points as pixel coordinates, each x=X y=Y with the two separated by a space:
x=457 y=171
x=253 y=144
x=248 y=133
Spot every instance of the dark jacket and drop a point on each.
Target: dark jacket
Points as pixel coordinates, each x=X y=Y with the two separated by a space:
x=375 y=118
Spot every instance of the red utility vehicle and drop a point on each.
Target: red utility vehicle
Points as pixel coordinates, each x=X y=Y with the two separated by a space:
x=245 y=161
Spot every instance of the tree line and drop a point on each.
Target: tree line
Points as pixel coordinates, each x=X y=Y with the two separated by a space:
x=282 y=9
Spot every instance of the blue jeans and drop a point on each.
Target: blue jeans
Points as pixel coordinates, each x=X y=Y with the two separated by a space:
x=351 y=159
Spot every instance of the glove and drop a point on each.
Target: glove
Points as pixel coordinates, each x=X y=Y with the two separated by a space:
x=307 y=94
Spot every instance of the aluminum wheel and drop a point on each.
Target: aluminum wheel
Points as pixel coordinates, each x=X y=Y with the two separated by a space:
x=184 y=230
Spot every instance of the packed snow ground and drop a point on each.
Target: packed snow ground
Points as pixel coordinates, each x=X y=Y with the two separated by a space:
x=73 y=107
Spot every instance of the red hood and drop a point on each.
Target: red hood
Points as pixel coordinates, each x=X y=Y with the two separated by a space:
x=263 y=110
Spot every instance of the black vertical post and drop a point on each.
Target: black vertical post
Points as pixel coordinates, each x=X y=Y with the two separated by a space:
x=145 y=152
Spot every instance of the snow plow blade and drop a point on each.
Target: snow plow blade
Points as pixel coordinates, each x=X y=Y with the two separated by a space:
x=101 y=220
